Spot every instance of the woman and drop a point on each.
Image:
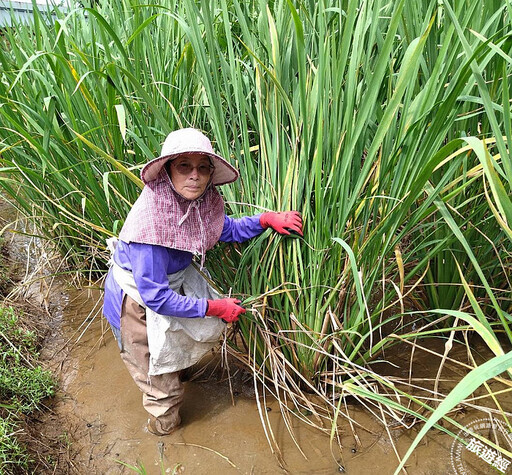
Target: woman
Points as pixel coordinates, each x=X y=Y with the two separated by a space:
x=162 y=311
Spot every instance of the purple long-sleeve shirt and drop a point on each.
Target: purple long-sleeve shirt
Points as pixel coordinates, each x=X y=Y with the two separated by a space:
x=150 y=265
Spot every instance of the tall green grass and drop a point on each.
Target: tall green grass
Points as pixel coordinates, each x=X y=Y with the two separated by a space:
x=385 y=123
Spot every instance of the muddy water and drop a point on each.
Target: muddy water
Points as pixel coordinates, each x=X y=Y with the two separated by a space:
x=101 y=413
x=217 y=436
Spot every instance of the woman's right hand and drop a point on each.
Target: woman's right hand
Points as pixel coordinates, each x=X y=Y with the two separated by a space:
x=283 y=222
x=227 y=309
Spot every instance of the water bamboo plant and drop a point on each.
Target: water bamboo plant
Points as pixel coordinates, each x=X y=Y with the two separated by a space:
x=385 y=123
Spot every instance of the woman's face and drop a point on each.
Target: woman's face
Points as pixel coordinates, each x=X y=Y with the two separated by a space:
x=190 y=175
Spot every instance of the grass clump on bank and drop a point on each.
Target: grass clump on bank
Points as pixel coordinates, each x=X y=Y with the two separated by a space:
x=22 y=383
x=23 y=387
x=13 y=455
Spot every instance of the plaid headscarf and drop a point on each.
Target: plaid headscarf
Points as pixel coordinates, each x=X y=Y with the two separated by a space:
x=163 y=217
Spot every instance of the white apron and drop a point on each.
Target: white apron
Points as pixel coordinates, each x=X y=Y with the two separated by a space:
x=175 y=343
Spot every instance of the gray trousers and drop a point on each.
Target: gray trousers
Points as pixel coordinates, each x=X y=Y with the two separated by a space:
x=162 y=394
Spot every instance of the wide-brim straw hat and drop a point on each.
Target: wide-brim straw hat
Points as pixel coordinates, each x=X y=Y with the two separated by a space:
x=185 y=141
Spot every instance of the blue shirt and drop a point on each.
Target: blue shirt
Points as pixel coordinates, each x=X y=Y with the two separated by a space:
x=150 y=265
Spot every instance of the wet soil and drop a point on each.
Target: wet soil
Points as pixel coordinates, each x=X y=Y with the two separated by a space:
x=98 y=419
x=217 y=436
x=224 y=435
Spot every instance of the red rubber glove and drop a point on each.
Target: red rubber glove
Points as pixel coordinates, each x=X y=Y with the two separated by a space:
x=283 y=222
x=227 y=309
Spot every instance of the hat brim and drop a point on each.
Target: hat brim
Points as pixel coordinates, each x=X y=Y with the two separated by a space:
x=223 y=173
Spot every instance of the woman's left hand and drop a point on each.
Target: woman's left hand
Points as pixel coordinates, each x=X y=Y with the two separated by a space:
x=284 y=222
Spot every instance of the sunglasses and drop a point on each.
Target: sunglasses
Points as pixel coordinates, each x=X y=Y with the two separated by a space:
x=184 y=168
